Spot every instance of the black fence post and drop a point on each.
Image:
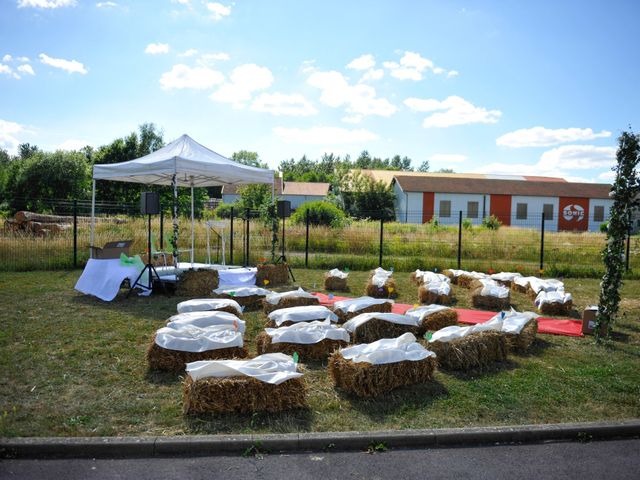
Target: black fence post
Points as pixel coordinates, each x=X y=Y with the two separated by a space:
x=231 y=237
x=460 y=240
x=381 y=240
x=75 y=233
x=161 y=228
x=542 y=245
x=246 y=255
x=306 y=243
x=626 y=264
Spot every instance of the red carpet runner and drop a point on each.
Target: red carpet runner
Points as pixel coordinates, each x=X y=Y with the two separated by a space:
x=554 y=326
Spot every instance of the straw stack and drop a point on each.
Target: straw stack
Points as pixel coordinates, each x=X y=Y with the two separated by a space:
x=477 y=350
x=197 y=283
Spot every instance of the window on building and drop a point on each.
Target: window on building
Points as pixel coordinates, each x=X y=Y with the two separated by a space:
x=445 y=208
x=472 y=209
x=521 y=211
x=547 y=209
x=598 y=213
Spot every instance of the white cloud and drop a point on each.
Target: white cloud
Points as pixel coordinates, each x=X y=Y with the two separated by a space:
x=452 y=73
x=26 y=68
x=189 y=53
x=8 y=132
x=281 y=104
x=324 y=135
x=363 y=62
x=546 y=137
x=71 y=145
x=608 y=176
x=245 y=80
x=372 y=74
x=7 y=58
x=574 y=157
x=7 y=70
x=211 y=58
x=447 y=158
x=182 y=76
x=359 y=100
x=157 y=48
x=218 y=10
x=106 y=4
x=46 y=3
x=451 y=111
x=412 y=66
x=69 y=66
x=308 y=66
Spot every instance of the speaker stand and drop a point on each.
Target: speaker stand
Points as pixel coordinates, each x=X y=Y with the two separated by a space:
x=283 y=257
x=148 y=267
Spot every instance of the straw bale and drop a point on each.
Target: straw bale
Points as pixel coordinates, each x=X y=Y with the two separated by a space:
x=335 y=283
x=388 y=290
x=381 y=308
x=415 y=279
x=288 y=302
x=169 y=360
x=518 y=288
x=367 y=380
x=312 y=351
x=451 y=276
x=489 y=301
x=438 y=320
x=556 y=308
x=241 y=395
x=473 y=351
x=249 y=302
x=531 y=293
x=427 y=297
x=522 y=341
x=275 y=273
x=466 y=281
x=376 y=329
x=197 y=283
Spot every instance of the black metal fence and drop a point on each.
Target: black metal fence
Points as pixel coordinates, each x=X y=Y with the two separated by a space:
x=454 y=241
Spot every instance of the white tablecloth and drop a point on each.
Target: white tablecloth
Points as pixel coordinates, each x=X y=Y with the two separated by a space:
x=102 y=278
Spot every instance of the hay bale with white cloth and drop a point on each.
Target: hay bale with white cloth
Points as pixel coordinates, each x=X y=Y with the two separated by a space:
x=288 y=316
x=435 y=292
x=293 y=298
x=520 y=329
x=466 y=279
x=172 y=348
x=372 y=369
x=369 y=327
x=505 y=278
x=270 y=383
x=537 y=285
x=210 y=304
x=311 y=340
x=207 y=319
x=381 y=284
x=488 y=294
x=433 y=317
x=248 y=297
x=521 y=284
x=197 y=283
x=336 y=280
x=347 y=309
x=453 y=274
x=554 y=303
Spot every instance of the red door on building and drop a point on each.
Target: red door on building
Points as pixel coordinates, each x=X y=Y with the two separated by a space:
x=574 y=214
x=501 y=208
x=428 y=199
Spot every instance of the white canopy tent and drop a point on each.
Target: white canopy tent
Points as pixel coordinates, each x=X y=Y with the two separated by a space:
x=181 y=163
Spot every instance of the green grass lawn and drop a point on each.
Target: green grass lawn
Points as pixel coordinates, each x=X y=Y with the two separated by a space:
x=73 y=365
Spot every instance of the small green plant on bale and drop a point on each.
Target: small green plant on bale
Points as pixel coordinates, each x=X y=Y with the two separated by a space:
x=624 y=190
x=491 y=222
x=320 y=214
x=467 y=224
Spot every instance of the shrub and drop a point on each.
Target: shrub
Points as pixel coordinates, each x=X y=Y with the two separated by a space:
x=467 y=224
x=320 y=213
x=491 y=223
x=224 y=210
x=604 y=227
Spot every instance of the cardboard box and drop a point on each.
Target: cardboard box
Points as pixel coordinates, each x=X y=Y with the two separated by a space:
x=111 y=250
x=589 y=321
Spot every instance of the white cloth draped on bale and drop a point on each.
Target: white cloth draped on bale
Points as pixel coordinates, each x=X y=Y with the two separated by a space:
x=439 y=288
x=274 y=298
x=355 y=304
x=432 y=277
x=396 y=318
x=338 y=273
x=307 y=333
x=388 y=350
x=424 y=311
x=559 y=296
x=242 y=291
x=302 y=314
x=207 y=319
x=188 y=338
x=491 y=288
x=514 y=322
x=546 y=285
x=505 y=276
x=273 y=368
x=380 y=277
x=523 y=282
x=207 y=304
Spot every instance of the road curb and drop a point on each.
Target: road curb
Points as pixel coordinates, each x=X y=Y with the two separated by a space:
x=146 y=447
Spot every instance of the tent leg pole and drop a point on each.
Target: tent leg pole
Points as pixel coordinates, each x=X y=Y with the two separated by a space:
x=93 y=217
x=192 y=227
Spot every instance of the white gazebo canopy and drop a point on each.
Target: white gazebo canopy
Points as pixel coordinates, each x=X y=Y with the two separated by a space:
x=181 y=163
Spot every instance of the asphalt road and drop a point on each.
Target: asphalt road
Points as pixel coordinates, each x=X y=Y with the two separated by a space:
x=619 y=459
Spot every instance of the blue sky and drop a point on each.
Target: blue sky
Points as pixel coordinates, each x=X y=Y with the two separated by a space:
x=538 y=88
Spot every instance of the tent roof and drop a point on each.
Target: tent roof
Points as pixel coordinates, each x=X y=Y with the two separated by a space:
x=192 y=163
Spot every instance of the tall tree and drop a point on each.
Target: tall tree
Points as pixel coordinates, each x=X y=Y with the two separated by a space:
x=248 y=158
x=424 y=166
x=624 y=192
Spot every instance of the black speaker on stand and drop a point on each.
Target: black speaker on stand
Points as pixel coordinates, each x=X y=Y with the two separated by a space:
x=284 y=211
x=149 y=205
